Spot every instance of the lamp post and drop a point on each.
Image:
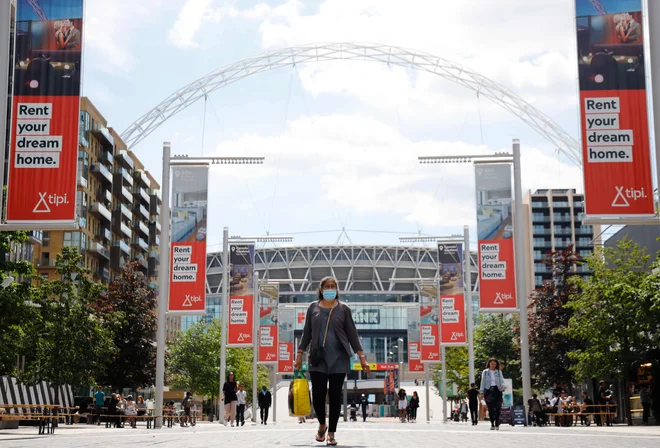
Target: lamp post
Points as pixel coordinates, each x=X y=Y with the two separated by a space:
x=521 y=280
x=164 y=257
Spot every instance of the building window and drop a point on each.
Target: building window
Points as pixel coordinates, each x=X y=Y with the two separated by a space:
x=45 y=239
x=75 y=239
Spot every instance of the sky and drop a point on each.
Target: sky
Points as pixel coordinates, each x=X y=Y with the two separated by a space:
x=340 y=138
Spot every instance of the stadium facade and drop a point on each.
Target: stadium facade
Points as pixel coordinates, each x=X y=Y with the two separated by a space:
x=364 y=273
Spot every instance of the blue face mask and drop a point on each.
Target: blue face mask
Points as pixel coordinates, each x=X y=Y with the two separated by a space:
x=329 y=294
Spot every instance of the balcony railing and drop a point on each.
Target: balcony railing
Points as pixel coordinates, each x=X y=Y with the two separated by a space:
x=143 y=211
x=46 y=263
x=562 y=218
x=97 y=249
x=100 y=211
x=142 y=263
x=104 y=136
x=101 y=173
x=141 y=193
x=125 y=230
x=142 y=177
x=82 y=182
x=105 y=234
x=561 y=204
x=537 y=218
x=540 y=205
x=139 y=225
x=157 y=194
x=154 y=254
x=122 y=246
x=541 y=231
x=140 y=243
x=125 y=159
x=104 y=195
x=125 y=211
x=126 y=195
x=106 y=158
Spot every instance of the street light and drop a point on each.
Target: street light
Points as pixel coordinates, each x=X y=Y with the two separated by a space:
x=519 y=243
x=164 y=257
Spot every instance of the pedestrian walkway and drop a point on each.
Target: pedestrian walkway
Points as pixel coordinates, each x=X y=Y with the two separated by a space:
x=374 y=433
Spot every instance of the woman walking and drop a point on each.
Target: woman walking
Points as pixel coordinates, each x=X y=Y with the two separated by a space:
x=330 y=334
x=414 y=404
x=231 y=399
x=492 y=386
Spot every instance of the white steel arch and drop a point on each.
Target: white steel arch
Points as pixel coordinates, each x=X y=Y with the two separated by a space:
x=390 y=55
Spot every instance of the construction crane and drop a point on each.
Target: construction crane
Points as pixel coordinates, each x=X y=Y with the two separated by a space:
x=38 y=10
x=599 y=7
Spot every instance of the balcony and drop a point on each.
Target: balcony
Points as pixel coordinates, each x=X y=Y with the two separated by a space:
x=104 y=136
x=35 y=236
x=125 y=248
x=101 y=173
x=156 y=195
x=561 y=204
x=104 y=195
x=125 y=211
x=143 y=211
x=125 y=176
x=105 y=234
x=46 y=263
x=125 y=160
x=143 y=264
x=156 y=224
x=100 y=211
x=98 y=250
x=103 y=273
x=562 y=231
x=141 y=193
x=106 y=158
x=540 y=205
x=547 y=244
x=583 y=242
x=123 y=228
x=141 y=227
x=141 y=244
x=126 y=195
x=82 y=182
x=540 y=218
x=142 y=179
x=541 y=231
x=562 y=218
x=155 y=255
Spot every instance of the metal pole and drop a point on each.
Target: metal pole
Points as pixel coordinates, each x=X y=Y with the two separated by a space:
x=163 y=285
x=224 y=318
x=255 y=344
x=467 y=262
x=653 y=14
x=275 y=394
x=521 y=280
x=444 y=384
x=5 y=64
x=427 y=379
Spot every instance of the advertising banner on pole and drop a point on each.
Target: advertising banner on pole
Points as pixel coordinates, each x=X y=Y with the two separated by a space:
x=429 y=319
x=616 y=150
x=241 y=295
x=495 y=235
x=285 y=358
x=188 y=233
x=269 y=296
x=452 y=298
x=414 y=348
x=43 y=148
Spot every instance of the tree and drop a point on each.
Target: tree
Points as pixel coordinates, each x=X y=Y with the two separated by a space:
x=133 y=307
x=495 y=337
x=17 y=316
x=193 y=361
x=548 y=318
x=71 y=344
x=458 y=370
x=613 y=314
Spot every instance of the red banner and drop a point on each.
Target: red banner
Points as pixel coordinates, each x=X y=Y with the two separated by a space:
x=43 y=147
x=285 y=356
x=616 y=153
x=188 y=236
x=268 y=337
x=452 y=326
x=414 y=358
x=241 y=300
x=429 y=312
x=495 y=232
x=188 y=278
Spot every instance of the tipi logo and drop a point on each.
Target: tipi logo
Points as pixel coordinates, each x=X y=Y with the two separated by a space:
x=42 y=205
x=500 y=297
x=625 y=195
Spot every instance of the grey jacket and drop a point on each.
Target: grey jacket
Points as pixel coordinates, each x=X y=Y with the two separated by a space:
x=341 y=321
x=486 y=383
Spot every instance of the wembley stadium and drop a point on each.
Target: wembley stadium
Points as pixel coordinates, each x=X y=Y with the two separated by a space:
x=365 y=275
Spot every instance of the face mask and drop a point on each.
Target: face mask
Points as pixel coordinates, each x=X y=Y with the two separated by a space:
x=329 y=294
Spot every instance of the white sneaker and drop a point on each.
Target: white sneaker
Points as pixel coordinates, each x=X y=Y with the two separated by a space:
x=232 y=424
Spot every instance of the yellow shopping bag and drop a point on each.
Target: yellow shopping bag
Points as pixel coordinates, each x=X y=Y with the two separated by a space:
x=299 y=398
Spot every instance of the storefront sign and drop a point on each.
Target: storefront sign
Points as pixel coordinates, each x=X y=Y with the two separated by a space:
x=616 y=154
x=268 y=329
x=188 y=247
x=241 y=296
x=43 y=148
x=495 y=234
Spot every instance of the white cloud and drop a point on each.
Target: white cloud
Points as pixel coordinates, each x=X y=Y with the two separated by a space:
x=189 y=21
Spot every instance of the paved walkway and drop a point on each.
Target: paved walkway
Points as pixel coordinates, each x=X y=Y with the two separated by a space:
x=376 y=433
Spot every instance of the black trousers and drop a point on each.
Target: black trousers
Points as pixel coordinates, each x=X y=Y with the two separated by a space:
x=240 y=414
x=647 y=412
x=364 y=413
x=474 y=412
x=264 y=414
x=320 y=389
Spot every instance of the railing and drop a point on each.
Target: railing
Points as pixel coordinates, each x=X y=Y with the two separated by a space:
x=125 y=158
x=126 y=194
x=126 y=231
x=561 y=204
x=82 y=182
x=536 y=218
x=540 y=205
x=46 y=264
x=100 y=209
x=126 y=212
x=123 y=246
x=101 y=172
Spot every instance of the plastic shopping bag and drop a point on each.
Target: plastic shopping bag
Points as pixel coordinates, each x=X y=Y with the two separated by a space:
x=299 y=396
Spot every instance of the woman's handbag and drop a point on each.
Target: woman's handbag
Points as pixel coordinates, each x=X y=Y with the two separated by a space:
x=299 y=397
x=316 y=352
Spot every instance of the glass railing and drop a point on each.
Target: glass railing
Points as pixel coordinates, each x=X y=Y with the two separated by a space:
x=125 y=158
x=126 y=194
x=125 y=230
x=561 y=204
x=540 y=205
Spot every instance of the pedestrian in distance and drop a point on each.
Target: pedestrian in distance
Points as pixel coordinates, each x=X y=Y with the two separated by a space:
x=364 y=402
x=414 y=405
x=229 y=390
x=265 y=400
x=99 y=402
x=473 y=402
x=240 y=407
x=186 y=405
x=402 y=405
x=329 y=333
x=492 y=386
x=645 y=398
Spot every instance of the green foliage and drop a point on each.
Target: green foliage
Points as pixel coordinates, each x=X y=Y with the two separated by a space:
x=70 y=343
x=614 y=313
x=458 y=371
x=549 y=344
x=193 y=361
x=496 y=337
x=130 y=307
x=17 y=317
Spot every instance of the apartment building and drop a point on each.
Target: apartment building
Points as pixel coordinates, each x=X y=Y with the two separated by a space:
x=118 y=209
x=553 y=221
